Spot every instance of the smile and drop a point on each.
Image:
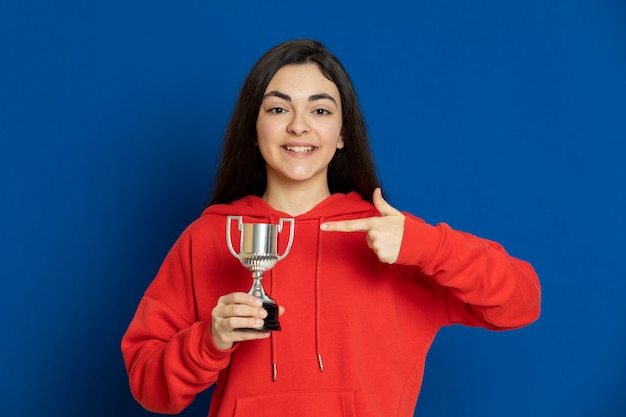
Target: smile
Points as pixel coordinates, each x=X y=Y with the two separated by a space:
x=299 y=149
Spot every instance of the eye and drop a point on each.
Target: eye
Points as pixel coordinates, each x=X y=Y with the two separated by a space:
x=276 y=110
x=321 y=112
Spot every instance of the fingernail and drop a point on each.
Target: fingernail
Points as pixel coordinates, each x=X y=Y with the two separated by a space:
x=262 y=312
x=259 y=322
x=324 y=226
x=258 y=302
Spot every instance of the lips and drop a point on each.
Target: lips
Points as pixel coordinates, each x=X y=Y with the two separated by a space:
x=299 y=149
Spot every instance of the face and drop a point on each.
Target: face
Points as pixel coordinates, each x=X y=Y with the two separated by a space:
x=299 y=125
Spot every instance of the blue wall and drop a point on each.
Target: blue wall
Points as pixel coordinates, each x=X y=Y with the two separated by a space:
x=503 y=118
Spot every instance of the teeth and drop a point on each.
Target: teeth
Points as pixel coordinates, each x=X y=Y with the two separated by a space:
x=300 y=149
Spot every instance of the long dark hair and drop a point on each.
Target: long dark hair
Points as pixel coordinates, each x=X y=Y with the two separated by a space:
x=242 y=170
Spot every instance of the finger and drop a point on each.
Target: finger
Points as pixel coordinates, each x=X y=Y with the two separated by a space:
x=240 y=298
x=243 y=335
x=230 y=325
x=381 y=204
x=226 y=332
x=247 y=307
x=241 y=310
x=357 y=225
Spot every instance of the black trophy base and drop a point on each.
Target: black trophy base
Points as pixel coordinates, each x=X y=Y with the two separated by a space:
x=271 y=321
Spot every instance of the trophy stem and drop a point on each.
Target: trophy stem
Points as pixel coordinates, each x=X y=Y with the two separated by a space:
x=257 y=287
x=271 y=321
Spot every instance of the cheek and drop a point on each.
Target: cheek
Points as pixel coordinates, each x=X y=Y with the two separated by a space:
x=265 y=140
x=267 y=129
x=263 y=133
x=263 y=145
x=332 y=134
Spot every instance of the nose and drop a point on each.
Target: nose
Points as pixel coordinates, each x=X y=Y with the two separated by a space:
x=298 y=125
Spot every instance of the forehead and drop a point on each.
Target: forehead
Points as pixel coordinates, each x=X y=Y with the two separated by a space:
x=302 y=77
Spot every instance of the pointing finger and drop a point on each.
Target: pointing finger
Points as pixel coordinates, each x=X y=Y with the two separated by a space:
x=357 y=225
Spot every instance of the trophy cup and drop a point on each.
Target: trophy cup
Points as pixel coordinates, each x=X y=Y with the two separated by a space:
x=258 y=253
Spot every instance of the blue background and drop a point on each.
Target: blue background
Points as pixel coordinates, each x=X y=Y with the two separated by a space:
x=506 y=119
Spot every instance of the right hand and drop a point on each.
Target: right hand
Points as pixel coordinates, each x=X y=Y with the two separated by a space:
x=235 y=311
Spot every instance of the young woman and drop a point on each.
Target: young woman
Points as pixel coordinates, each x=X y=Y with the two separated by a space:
x=363 y=291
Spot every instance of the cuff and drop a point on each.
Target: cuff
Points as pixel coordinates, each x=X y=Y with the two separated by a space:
x=420 y=242
x=209 y=352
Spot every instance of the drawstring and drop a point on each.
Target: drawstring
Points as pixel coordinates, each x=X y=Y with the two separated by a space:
x=318 y=268
x=274 y=359
x=274 y=281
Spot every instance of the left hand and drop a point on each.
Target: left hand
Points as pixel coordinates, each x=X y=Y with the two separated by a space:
x=384 y=233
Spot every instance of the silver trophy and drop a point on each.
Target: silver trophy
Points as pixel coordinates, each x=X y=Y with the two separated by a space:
x=258 y=253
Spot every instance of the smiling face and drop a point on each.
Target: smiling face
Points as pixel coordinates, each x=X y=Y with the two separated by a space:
x=299 y=126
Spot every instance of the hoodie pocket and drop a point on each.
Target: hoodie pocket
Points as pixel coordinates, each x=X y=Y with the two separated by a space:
x=298 y=404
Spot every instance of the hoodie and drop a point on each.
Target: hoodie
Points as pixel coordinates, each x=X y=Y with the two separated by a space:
x=355 y=332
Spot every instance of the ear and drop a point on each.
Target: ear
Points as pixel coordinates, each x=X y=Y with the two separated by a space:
x=340 y=143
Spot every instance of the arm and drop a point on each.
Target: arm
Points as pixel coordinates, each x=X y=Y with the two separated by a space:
x=486 y=286
x=169 y=354
x=173 y=349
x=169 y=360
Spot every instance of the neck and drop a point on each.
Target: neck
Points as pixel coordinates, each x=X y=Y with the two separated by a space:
x=295 y=199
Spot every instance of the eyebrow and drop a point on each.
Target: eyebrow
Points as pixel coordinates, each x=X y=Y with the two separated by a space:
x=320 y=96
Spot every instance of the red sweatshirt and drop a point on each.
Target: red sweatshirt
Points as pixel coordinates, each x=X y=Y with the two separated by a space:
x=355 y=332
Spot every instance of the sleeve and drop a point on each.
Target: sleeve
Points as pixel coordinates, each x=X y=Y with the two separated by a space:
x=170 y=357
x=485 y=286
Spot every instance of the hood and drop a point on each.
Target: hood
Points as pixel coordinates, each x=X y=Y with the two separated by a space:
x=336 y=207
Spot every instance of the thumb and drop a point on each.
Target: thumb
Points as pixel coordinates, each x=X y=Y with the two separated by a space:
x=382 y=206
